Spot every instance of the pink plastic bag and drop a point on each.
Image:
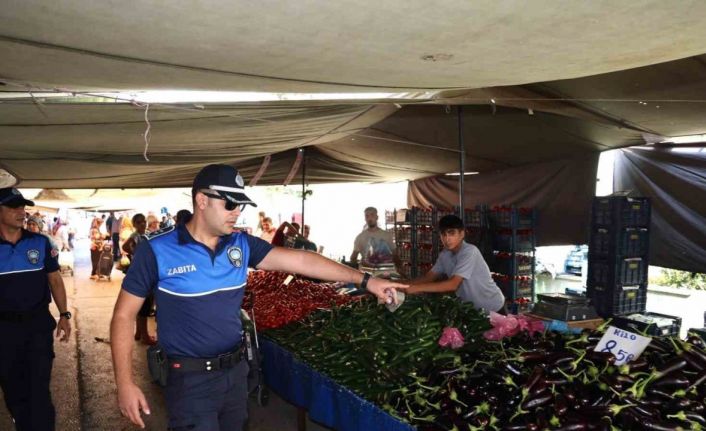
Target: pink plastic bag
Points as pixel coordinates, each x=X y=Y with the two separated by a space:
x=451 y=337
x=508 y=326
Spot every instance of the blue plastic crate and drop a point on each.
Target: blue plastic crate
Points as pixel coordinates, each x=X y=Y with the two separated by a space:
x=625 y=242
x=612 y=301
x=627 y=271
x=621 y=211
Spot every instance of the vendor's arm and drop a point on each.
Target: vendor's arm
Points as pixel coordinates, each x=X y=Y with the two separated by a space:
x=429 y=277
x=449 y=285
x=314 y=265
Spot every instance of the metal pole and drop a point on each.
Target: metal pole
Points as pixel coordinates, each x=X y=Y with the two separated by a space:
x=461 y=165
x=303 y=187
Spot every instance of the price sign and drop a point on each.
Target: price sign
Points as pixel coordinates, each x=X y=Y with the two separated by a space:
x=624 y=345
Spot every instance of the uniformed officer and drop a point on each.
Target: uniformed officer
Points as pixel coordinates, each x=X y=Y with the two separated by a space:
x=29 y=279
x=198 y=273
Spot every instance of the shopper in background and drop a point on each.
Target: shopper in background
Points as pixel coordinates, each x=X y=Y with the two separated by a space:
x=152 y=223
x=302 y=241
x=268 y=231
x=460 y=268
x=97 y=239
x=139 y=222
x=198 y=272
x=29 y=280
x=183 y=216
x=115 y=235
x=374 y=245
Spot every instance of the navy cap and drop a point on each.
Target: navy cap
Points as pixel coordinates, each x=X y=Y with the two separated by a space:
x=225 y=180
x=12 y=197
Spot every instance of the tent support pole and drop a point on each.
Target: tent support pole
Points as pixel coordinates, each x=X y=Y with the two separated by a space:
x=461 y=166
x=303 y=187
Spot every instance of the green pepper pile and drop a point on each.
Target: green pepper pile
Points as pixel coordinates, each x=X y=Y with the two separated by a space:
x=374 y=352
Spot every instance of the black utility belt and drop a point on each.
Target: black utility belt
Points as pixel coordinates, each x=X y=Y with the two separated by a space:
x=221 y=362
x=21 y=316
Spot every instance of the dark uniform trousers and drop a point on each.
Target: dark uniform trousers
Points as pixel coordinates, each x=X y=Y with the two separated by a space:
x=26 y=357
x=208 y=400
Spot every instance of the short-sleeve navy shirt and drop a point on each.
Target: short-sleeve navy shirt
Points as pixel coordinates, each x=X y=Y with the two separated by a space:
x=198 y=292
x=24 y=285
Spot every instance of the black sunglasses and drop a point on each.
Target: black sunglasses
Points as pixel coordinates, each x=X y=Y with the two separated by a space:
x=230 y=205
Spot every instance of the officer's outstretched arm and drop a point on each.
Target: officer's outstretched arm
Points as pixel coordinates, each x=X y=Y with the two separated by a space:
x=131 y=400
x=314 y=265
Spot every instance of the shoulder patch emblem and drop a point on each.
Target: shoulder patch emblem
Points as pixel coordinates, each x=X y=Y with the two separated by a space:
x=33 y=256
x=235 y=255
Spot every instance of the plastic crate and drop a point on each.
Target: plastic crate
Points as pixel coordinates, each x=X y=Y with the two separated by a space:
x=404 y=234
x=441 y=212
x=617 y=300
x=425 y=253
x=404 y=251
x=512 y=217
x=514 y=286
x=425 y=234
x=626 y=242
x=513 y=240
x=699 y=332
x=423 y=216
x=475 y=218
x=621 y=211
x=512 y=263
x=631 y=323
x=628 y=271
x=475 y=235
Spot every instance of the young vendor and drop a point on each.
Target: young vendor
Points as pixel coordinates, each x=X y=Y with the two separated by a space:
x=460 y=268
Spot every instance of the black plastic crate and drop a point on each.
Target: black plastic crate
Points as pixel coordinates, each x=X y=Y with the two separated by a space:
x=404 y=251
x=699 y=332
x=626 y=242
x=618 y=271
x=425 y=253
x=510 y=263
x=425 y=234
x=423 y=216
x=513 y=239
x=617 y=300
x=512 y=217
x=621 y=211
x=404 y=234
x=514 y=286
x=633 y=324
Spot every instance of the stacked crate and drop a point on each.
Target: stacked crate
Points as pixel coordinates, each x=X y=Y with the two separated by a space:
x=513 y=252
x=416 y=241
x=618 y=255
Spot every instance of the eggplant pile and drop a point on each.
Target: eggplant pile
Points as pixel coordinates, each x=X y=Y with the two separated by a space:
x=557 y=382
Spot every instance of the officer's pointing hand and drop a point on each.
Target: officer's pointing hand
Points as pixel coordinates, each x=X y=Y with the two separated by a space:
x=131 y=401
x=384 y=290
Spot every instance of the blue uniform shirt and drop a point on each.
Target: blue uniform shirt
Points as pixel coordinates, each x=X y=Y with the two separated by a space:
x=24 y=285
x=198 y=292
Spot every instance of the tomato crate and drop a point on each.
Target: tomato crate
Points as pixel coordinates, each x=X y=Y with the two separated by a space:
x=510 y=263
x=514 y=286
x=618 y=300
x=476 y=217
x=621 y=211
x=404 y=234
x=425 y=234
x=404 y=250
x=624 y=242
x=513 y=240
x=655 y=324
x=425 y=253
x=512 y=217
x=423 y=216
x=621 y=271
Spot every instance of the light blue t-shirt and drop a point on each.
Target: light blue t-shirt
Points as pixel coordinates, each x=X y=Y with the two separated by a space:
x=478 y=286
